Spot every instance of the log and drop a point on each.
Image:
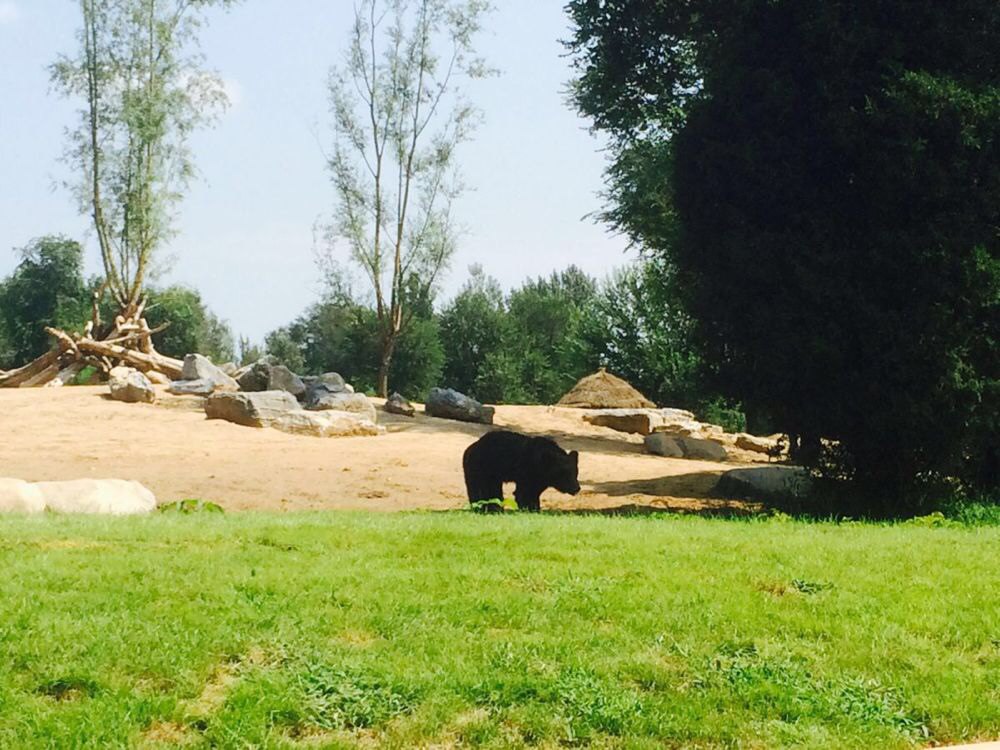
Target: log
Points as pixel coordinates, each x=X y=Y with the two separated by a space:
x=66 y=375
x=170 y=367
x=15 y=378
x=42 y=378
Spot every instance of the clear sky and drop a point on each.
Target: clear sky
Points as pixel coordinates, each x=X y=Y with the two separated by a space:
x=246 y=228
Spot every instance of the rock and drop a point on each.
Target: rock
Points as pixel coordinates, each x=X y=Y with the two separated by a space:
x=354 y=403
x=755 y=444
x=326 y=424
x=679 y=446
x=130 y=386
x=197 y=367
x=229 y=368
x=266 y=376
x=396 y=404
x=259 y=409
x=114 y=497
x=645 y=421
x=283 y=379
x=660 y=444
x=157 y=378
x=192 y=388
x=764 y=483
x=449 y=404
x=705 y=450
x=17 y=496
x=255 y=378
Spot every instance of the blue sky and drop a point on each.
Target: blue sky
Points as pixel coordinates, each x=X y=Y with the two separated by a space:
x=246 y=228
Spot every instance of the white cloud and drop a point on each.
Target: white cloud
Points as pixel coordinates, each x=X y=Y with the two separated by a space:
x=9 y=12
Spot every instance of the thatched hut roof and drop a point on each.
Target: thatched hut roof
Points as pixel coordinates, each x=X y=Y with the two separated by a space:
x=603 y=390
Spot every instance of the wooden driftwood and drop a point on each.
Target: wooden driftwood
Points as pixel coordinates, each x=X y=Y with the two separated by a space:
x=16 y=378
x=129 y=342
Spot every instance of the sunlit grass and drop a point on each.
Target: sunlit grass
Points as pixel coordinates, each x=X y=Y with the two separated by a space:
x=462 y=630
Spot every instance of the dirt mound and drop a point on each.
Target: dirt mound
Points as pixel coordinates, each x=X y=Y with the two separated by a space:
x=602 y=390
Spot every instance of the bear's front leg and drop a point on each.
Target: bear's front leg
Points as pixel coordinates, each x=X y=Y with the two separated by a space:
x=528 y=498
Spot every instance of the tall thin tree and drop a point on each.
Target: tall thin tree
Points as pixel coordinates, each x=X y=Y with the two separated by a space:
x=144 y=91
x=399 y=114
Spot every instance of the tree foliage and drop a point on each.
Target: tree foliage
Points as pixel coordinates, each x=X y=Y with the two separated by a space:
x=826 y=179
x=144 y=92
x=192 y=326
x=46 y=289
x=399 y=115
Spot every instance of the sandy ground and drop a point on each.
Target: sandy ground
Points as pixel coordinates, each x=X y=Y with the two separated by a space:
x=71 y=433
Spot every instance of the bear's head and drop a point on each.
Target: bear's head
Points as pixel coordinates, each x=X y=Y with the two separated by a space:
x=566 y=469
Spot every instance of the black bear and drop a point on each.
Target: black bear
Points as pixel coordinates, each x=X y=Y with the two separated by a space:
x=533 y=463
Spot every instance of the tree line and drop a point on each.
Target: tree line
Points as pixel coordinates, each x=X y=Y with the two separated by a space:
x=528 y=345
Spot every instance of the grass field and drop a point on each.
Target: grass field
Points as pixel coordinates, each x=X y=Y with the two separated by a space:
x=451 y=630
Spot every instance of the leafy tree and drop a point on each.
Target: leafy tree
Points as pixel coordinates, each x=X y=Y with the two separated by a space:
x=343 y=336
x=46 y=289
x=638 y=330
x=543 y=332
x=193 y=327
x=826 y=178
x=399 y=116
x=472 y=329
x=144 y=94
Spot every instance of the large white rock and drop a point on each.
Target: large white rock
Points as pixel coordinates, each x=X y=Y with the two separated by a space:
x=326 y=424
x=199 y=367
x=17 y=496
x=645 y=421
x=113 y=497
x=131 y=386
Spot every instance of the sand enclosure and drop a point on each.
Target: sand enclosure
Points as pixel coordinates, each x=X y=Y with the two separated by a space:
x=73 y=433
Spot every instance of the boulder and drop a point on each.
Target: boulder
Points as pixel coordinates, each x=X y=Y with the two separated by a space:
x=264 y=375
x=396 y=404
x=449 y=404
x=755 y=444
x=131 y=386
x=114 y=497
x=705 y=450
x=645 y=421
x=326 y=424
x=354 y=403
x=197 y=367
x=192 y=388
x=229 y=368
x=679 y=446
x=17 y=496
x=764 y=483
x=260 y=409
x=660 y=444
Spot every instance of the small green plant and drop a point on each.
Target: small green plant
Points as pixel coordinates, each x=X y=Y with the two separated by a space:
x=85 y=376
x=727 y=415
x=191 y=506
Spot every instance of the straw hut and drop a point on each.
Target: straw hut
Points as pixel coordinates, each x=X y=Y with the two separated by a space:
x=603 y=390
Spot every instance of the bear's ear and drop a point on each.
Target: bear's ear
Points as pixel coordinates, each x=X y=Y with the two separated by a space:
x=575 y=456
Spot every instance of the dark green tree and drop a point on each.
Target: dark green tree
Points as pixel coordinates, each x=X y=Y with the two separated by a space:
x=826 y=178
x=193 y=328
x=472 y=330
x=46 y=289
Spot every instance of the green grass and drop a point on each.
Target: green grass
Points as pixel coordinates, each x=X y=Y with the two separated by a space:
x=455 y=630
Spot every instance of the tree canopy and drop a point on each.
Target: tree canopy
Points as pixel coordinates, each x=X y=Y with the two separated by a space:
x=826 y=178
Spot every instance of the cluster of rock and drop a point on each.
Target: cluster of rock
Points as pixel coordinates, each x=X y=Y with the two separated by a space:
x=676 y=433
x=264 y=394
x=115 y=497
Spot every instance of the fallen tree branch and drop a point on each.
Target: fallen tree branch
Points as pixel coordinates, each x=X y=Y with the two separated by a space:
x=14 y=378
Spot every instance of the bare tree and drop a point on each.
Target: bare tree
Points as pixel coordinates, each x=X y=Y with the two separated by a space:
x=399 y=114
